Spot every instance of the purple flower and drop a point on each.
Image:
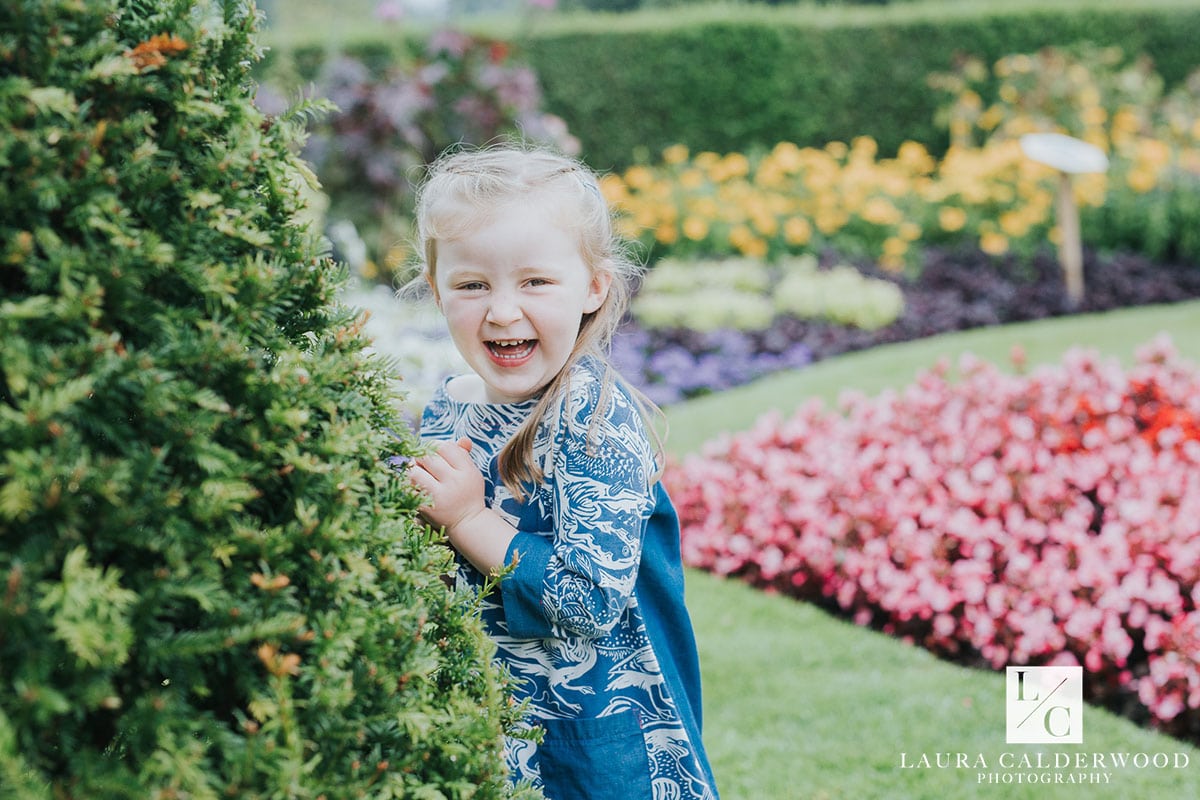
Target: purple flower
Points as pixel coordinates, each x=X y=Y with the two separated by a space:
x=673 y=365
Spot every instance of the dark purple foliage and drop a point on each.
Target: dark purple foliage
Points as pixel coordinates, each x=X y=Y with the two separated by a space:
x=956 y=290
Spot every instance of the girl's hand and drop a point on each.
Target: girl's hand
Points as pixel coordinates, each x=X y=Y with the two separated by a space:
x=452 y=482
x=455 y=488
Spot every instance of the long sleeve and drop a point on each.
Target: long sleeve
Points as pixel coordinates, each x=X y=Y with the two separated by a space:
x=577 y=580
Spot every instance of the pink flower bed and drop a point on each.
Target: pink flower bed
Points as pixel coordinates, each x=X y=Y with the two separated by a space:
x=1043 y=518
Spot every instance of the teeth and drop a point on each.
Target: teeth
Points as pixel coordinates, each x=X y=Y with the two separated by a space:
x=511 y=350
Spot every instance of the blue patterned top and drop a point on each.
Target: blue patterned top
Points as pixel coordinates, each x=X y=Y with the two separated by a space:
x=591 y=620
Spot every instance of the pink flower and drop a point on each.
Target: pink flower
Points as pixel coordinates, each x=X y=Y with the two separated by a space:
x=1020 y=518
x=389 y=10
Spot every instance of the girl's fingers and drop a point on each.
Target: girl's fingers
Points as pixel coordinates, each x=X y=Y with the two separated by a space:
x=455 y=456
x=423 y=482
x=418 y=476
x=433 y=464
x=442 y=464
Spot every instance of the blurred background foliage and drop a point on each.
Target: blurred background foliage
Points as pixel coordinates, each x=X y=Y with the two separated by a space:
x=931 y=88
x=747 y=138
x=760 y=131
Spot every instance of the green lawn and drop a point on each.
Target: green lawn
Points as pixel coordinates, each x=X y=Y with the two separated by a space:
x=801 y=705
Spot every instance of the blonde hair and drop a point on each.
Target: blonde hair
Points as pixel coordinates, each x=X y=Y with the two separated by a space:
x=464 y=185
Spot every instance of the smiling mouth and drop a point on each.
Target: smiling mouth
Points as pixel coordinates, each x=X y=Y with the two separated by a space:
x=510 y=350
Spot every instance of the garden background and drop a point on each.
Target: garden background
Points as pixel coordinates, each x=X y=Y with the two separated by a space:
x=833 y=199
x=896 y=469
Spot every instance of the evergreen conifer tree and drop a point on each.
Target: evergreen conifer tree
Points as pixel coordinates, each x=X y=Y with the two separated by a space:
x=211 y=583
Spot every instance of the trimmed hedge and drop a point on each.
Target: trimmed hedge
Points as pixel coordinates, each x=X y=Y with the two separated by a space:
x=731 y=85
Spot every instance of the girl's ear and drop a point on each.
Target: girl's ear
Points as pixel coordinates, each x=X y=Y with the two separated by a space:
x=598 y=290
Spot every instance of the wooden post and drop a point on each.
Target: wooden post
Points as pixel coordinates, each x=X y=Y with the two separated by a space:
x=1070 y=247
x=1068 y=156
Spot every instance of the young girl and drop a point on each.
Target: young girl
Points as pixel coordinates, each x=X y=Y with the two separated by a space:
x=547 y=469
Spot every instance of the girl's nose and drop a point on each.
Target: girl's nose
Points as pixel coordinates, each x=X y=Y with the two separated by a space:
x=503 y=311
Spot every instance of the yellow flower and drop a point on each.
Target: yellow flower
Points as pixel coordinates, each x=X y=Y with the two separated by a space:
x=797 y=231
x=733 y=165
x=960 y=129
x=1142 y=179
x=993 y=243
x=1094 y=115
x=894 y=250
x=894 y=183
x=396 y=256
x=769 y=176
x=1095 y=137
x=691 y=179
x=952 y=218
x=879 y=211
x=991 y=118
x=765 y=223
x=695 y=228
x=740 y=235
x=914 y=156
x=666 y=233
x=1014 y=224
x=909 y=231
x=787 y=157
x=1153 y=152
x=1125 y=122
x=613 y=189
x=628 y=228
x=639 y=177
x=819 y=180
x=1090 y=189
x=864 y=148
x=746 y=242
x=756 y=248
x=646 y=217
x=704 y=207
x=830 y=219
x=675 y=154
x=894 y=246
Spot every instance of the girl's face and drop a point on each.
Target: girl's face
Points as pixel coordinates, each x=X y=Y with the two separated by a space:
x=514 y=290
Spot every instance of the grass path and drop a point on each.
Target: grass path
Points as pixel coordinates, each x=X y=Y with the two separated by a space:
x=802 y=705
